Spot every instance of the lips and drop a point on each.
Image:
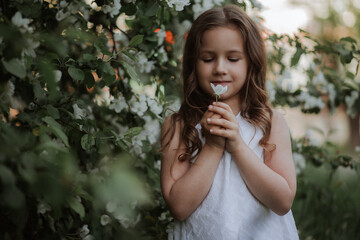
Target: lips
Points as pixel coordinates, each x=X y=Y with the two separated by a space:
x=222 y=83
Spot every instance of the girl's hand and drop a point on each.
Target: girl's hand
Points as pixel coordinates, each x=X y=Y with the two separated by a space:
x=211 y=140
x=226 y=126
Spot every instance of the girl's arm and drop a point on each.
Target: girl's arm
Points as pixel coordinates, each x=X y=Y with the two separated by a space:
x=272 y=183
x=185 y=185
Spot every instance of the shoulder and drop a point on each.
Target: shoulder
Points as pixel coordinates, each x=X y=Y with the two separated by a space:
x=278 y=122
x=171 y=128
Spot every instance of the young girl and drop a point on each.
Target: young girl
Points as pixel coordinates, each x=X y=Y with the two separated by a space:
x=227 y=168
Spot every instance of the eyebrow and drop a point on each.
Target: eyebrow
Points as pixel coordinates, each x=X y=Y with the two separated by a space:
x=230 y=51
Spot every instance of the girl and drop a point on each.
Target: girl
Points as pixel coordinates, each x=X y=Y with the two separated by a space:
x=227 y=169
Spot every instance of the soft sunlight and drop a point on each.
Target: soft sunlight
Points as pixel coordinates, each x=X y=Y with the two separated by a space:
x=282 y=17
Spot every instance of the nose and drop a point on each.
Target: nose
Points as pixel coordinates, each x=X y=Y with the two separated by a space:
x=220 y=67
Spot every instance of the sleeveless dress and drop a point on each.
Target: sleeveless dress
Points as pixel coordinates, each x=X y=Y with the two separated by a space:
x=230 y=211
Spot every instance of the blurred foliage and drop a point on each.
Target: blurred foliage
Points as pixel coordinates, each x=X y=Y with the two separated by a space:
x=85 y=86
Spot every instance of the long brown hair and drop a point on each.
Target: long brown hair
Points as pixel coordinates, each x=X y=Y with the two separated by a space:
x=255 y=107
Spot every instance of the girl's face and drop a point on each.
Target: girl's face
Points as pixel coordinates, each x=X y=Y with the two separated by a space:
x=222 y=60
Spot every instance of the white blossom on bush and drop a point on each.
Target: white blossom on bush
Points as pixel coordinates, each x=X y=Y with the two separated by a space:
x=162 y=55
x=157 y=164
x=152 y=129
x=112 y=9
x=78 y=112
x=357 y=149
x=161 y=34
x=350 y=101
x=104 y=220
x=118 y=104
x=58 y=75
x=138 y=106
x=154 y=106
x=84 y=231
x=143 y=63
x=111 y=207
x=21 y=23
x=299 y=162
x=89 y=237
x=61 y=15
x=63 y=4
x=179 y=4
x=43 y=207
x=271 y=90
x=29 y=49
x=309 y=101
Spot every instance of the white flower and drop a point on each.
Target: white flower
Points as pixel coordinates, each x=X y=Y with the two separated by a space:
x=299 y=162
x=161 y=34
x=112 y=10
x=43 y=207
x=143 y=63
x=162 y=216
x=60 y=15
x=219 y=89
x=22 y=23
x=89 y=237
x=157 y=164
x=155 y=107
x=84 y=231
x=63 y=4
x=350 y=100
x=118 y=104
x=357 y=149
x=138 y=139
x=58 y=75
x=138 y=107
x=310 y=102
x=163 y=54
x=31 y=45
x=105 y=219
x=111 y=207
x=179 y=4
x=152 y=129
x=78 y=112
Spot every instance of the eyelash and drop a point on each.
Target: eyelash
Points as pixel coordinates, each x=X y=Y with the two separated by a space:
x=230 y=59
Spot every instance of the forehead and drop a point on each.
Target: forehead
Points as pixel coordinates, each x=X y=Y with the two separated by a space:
x=222 y=39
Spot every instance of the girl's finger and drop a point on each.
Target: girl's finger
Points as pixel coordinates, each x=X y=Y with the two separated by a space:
x=228 y=115
x=221 y=132
x=223 y=105
x=221 y=122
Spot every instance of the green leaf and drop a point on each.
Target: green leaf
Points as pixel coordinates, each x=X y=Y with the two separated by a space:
x=77 y=207
x=52 y=111
x=136 y=40
x=130 y=70
x=152 y=11
x=15 y=67
x=129 y=9
x=295 y=59
x=348 y=39
x=133 y=131
x=87 y=141
x=76 y=74
x=55 y=127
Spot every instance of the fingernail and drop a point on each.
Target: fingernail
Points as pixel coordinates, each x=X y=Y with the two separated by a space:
x=214 y=103
x=208 y=119
x=211 y=106
x=211 y=130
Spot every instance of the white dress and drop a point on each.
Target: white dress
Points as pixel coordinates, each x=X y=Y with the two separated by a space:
x=230 y=211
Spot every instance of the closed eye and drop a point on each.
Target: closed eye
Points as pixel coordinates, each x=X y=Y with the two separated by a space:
x=234 y=59
x=207 y=60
